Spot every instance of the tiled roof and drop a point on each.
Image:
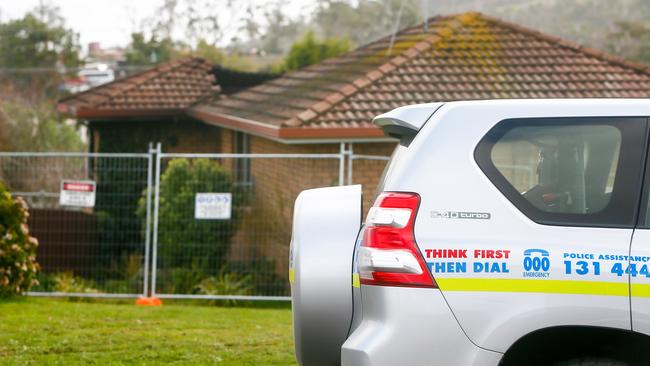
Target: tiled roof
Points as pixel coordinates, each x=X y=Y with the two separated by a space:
x=166 y=89
x=461 y=57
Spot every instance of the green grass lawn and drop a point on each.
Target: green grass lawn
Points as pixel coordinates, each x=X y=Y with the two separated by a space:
x=59 y=332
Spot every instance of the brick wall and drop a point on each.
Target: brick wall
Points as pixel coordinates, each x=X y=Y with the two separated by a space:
x=266 y=225
x=266 y=228
x=367 y=172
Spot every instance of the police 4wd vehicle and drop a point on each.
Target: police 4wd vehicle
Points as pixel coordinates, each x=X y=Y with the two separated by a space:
x=512 y=232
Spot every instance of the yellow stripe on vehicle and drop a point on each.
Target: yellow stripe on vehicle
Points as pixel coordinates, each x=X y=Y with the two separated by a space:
x=541 y=286
x=356 y=282
x=640 y=290
x=292 y=275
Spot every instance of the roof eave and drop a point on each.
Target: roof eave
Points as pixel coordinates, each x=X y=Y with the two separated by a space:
x=204 y=114
x=94 y=113
x=290 y=133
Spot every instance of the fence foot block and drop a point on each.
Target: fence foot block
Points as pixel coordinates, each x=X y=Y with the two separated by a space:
x=148 y=301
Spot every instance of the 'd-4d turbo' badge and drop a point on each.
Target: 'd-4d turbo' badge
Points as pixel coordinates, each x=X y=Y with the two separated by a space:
x=460 y=215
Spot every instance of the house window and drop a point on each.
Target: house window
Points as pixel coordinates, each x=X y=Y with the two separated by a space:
x=242 y=166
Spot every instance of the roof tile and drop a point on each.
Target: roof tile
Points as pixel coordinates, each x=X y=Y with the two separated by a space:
x=334 y=98
x=386 y=68
x=321 y=107
x=466 y=56
x=361 y=82
x=348 y=90
x=307 y=115
x=374 y=75
x=172 y=86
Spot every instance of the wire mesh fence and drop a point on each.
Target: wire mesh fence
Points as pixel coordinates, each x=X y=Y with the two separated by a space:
x=86 y=211
x=214 y=226
x=366 y=170
x=223 y=223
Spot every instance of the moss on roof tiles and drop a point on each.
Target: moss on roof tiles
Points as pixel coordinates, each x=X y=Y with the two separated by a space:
x=466 y=56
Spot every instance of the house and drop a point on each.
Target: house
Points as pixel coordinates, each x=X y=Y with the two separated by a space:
x=151 y=106
x=313 y=110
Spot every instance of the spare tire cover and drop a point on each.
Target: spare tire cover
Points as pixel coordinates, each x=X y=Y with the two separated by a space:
x=325 y=227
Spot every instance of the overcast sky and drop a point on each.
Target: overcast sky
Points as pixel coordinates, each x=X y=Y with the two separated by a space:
x=109 y=22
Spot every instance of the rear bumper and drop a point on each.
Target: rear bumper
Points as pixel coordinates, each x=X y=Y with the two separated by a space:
x=410 y=326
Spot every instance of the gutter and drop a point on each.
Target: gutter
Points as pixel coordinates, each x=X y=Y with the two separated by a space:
x=90 y=113
x=287 y=134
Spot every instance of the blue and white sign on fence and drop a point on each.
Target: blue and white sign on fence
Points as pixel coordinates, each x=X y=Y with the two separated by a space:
x=213 y=206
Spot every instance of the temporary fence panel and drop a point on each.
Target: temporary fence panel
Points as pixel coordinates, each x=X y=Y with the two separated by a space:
x=212 y=226
x=222 y=222
x=89 y=213
x=366 y=170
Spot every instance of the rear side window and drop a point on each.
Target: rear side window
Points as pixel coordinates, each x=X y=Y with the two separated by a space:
x=573 y=171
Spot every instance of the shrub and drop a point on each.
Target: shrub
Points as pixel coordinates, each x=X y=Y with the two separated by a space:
x=184 y=241
x=18 y=265
x=68 y=282
x=126 y=274
x=226 y=283
x=263 y=276
x=182 y=280
x=310 y=50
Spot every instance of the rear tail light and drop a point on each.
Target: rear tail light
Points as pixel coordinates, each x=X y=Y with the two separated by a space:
x=389 y=255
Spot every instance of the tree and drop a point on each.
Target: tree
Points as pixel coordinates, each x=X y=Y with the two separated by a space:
x=231 y=60
x=630 y=40
x=40 y=44
x=364 y=20
x=309 y=50
x=207 y=20
x=32 y=42
x=209 y=52
x=280 y=31
x=30 y=123
x=150 y=51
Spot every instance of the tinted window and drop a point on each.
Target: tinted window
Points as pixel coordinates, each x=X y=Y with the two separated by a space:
x=577 y=171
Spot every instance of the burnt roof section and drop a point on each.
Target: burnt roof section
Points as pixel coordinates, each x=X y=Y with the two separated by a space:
x=167 y=89
x=232 y=81
x=462 y=57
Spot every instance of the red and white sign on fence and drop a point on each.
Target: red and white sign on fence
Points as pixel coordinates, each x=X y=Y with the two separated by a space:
x=77 y=193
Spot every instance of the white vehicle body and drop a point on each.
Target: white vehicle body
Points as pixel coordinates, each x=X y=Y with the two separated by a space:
x=532 y=276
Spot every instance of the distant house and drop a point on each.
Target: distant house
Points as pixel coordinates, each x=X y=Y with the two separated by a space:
x=127 y=114
x=152 y=106
x=313 y=110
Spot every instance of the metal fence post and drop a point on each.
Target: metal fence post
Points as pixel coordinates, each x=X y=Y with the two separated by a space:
x=147 y=244
x=350 y=162
x=342 y=164
x=156 y=208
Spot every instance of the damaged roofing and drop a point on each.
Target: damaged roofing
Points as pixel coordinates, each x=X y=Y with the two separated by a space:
x=462 y=57
x=467 y=56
